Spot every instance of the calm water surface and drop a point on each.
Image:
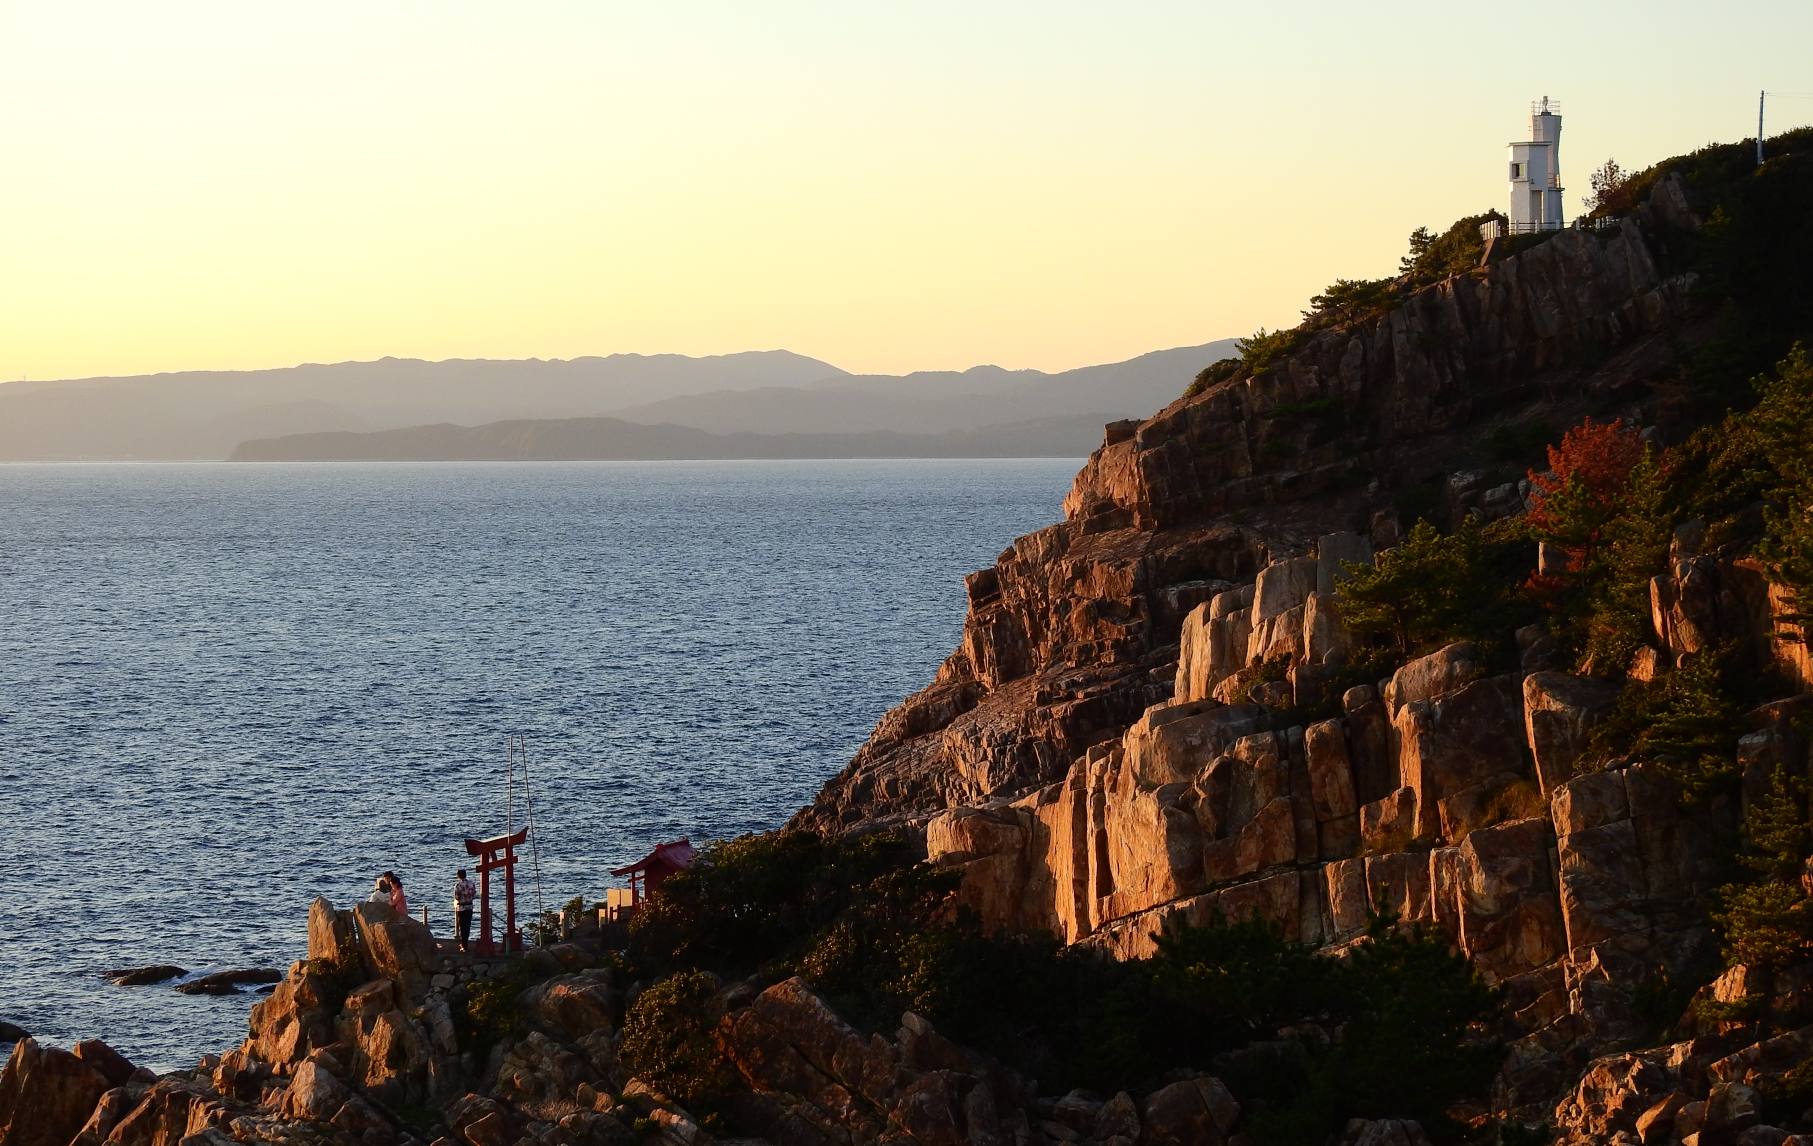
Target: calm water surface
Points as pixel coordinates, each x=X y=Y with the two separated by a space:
x=225 y=690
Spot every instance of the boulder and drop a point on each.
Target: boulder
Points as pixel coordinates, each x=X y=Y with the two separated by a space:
x=1212 y=643
x=330 y=932
x=1510 y=920
x=1656 y=1125
x=483 y=1122
x=1349 y=897
x=104 y=1061
x=1399 y=882
x=1390 y=823
x=1436 y=675
x=1589 y=801
x=1196 y=1112
x=1170 y=743
x=1468 y=736
x=1383 y=1132
x=240 y=1076
x=574 y=1005
x=46 y=1095
x=1479 y=806
x=1118 y=1118
x=1334 y=551
x=171 y=1109
x=398 y=948
x=107 y=1114
x=1646 y=664
x=313 y=1093
x=1613 y=1094
x=1330 y=771
x=1375 y=764
x=1559 y=711
x=1326 y=640
x=1281 y=587
x=1732 y=1109
x=390 y=1056
x=294 y=1020
x=140 y=976
x=1703 y=602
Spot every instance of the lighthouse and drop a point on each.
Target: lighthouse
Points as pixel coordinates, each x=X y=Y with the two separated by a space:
x=1536 y=171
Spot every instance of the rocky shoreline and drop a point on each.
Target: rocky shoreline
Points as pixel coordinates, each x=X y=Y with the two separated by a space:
x=1152 y=721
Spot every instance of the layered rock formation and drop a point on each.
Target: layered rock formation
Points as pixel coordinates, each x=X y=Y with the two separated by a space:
x=1076 y=629
x=1099 y=757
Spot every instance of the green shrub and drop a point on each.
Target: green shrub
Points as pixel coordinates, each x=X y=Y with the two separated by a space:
x=1261 y=349
x=489 y=1014
x=1765 y=924
x=1787 y=1099
x=1277 y=668
x=1350 y=300
x=1455 y=251
x=669 y=1038
x=758 y=901
x=1209 y=375
x=1435 y=589
x=1687 y=718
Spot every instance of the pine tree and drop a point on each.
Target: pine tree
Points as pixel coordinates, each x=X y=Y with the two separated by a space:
x=1635 y=549
x=1424 y=593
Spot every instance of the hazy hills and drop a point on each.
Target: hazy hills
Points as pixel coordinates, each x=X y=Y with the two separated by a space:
x=207 y=414
x=931 y=402
x=613 y=439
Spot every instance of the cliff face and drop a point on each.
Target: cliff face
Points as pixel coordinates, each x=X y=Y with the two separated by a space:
x=1080 y=761
x=1075 y=631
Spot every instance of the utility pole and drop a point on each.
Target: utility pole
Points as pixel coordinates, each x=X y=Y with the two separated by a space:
x=1759 y=127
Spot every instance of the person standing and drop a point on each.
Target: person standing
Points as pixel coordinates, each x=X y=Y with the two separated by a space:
x=463 y=895
x=398 y=903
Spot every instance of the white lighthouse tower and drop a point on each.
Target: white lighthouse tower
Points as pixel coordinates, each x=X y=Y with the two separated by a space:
x=1536 y=172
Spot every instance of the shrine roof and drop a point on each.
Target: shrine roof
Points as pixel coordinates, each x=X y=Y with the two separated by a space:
x=672 y=856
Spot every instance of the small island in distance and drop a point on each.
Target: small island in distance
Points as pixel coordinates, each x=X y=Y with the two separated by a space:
x=613 y=439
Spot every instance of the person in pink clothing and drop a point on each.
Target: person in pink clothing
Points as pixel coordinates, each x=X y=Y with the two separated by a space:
x=397 y=903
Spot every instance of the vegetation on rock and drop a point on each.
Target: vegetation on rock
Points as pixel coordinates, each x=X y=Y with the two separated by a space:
x=668 y=1037
x=875 y=932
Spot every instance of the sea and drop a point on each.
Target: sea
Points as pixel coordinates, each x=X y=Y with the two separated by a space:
x=226 y=689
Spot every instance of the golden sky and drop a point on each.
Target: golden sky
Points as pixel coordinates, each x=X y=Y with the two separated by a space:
x=886 y=186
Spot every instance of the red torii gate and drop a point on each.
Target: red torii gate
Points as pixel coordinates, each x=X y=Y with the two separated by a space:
x=498 y=852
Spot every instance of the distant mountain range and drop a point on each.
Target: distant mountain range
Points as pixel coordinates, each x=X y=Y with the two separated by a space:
x=613 y=439
x=207 y=414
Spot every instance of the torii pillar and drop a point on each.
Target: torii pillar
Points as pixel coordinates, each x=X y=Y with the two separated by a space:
x=498 y=852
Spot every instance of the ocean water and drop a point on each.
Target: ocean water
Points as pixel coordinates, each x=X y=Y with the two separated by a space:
x=227 y=689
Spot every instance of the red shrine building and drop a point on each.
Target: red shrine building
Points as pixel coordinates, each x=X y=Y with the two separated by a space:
x=646 y=874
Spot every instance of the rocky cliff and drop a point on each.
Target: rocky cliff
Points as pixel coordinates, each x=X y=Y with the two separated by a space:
x=1076 y=629
x=359 y=1045
x=1094 y=762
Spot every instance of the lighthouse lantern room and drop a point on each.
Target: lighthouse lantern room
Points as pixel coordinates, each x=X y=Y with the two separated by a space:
x=1536 y=171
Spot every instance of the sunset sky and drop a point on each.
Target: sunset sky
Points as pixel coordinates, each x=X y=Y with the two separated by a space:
x=886 y=186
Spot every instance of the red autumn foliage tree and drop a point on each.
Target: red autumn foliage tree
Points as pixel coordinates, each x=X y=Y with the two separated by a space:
x=1574 y=501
